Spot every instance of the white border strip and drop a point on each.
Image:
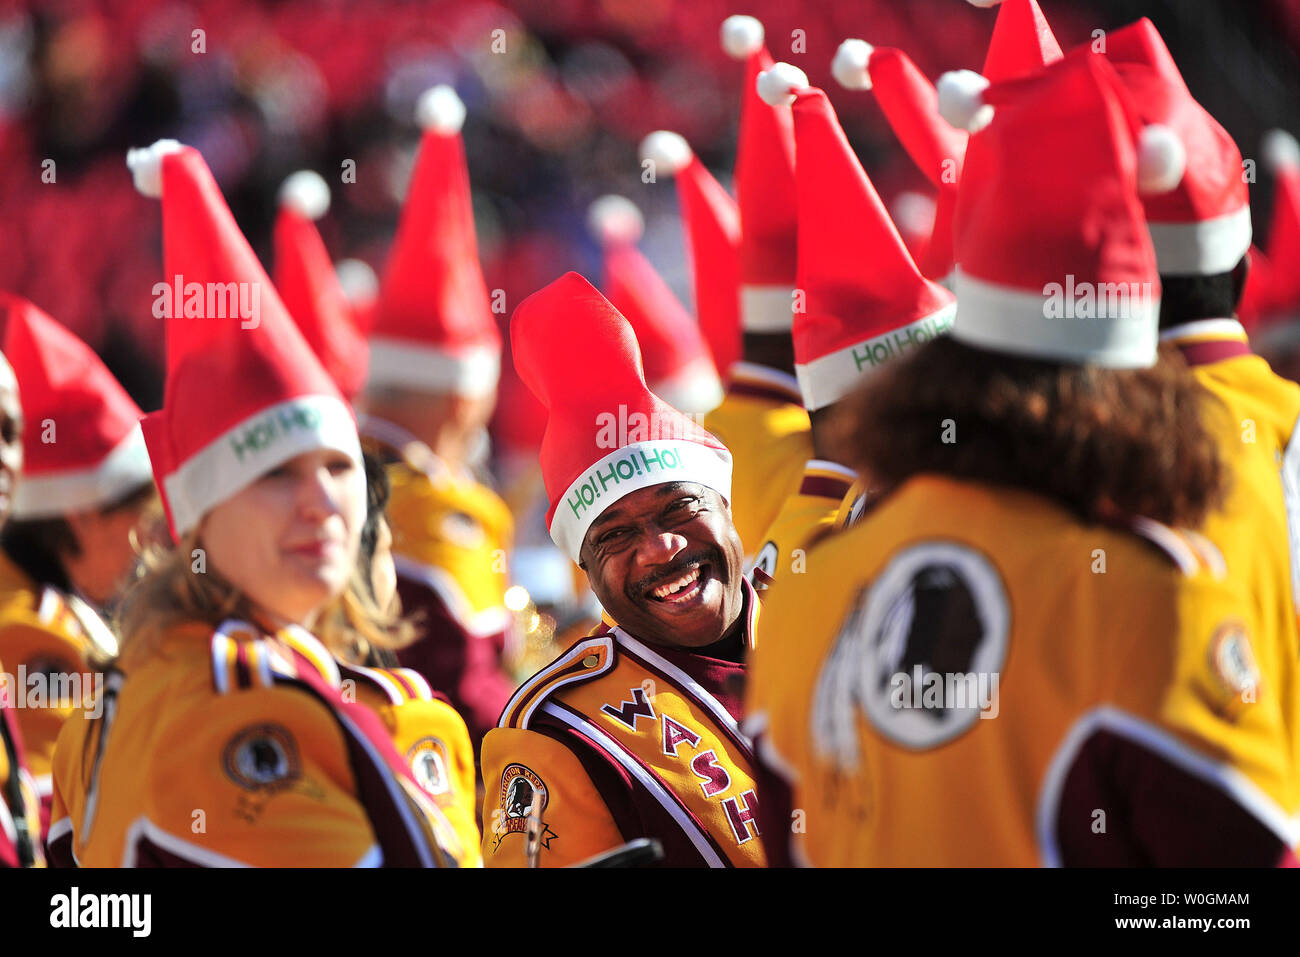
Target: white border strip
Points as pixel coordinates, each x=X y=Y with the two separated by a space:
x=216 y=472
x=7 y=819
x=54 y=493
x=1204 y=327
x=415 y=833
x=1014 y=321
x=1164 y=744
x=580 y=650
x=423 y=691
x=768 y=309
x=667 y=801
x=1291 y=498
x=59 y=828
x=826 y=465
x=1207 y=248
x=372 y=858
x=386 y=684
x=829 y=378
x=479 y=624
x=112 y=688
x=753 y=374
x=144 y=829
x=400 y=363
x=606 y=484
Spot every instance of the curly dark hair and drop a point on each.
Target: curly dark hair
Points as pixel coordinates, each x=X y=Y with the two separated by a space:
x=1104 y=443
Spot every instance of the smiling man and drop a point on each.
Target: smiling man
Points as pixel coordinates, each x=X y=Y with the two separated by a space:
x=631 y=732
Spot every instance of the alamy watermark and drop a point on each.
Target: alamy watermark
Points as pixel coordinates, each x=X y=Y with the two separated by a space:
x=53 y=689
x=945 y=691
x=616 y=430
x=209 y=300
x=1099 y=300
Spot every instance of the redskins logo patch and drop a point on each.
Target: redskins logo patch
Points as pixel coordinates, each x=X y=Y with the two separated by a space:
x=262 y=758
x=462 y=529
x=1233 y=661
x=428 y=760
x=523 y=798
x=919 y=654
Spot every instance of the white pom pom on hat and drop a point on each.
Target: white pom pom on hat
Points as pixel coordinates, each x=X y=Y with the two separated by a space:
x=614 y=218
x=1280 y=150
x=849 y=67
x=307 y=193
x=1162 y=160
x=145 y=164
x=741 y=36
x=359 y=281
x=777 y=86
x=961 y=100
x=984 y=4
x=440 y=110
x=669 y=151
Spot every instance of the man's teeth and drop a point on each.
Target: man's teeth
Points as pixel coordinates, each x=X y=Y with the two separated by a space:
x=663 y=591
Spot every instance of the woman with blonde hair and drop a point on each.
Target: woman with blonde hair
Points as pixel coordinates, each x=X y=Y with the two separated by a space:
x=228 y=734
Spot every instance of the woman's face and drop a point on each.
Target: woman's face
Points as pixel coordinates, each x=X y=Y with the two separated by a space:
x=11 y=438
x=289 y=540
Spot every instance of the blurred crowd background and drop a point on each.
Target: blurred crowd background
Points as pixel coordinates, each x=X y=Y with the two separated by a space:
x=559 y=94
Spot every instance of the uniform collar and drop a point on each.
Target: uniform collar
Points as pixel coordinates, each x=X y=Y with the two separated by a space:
x=763 y=382
x=1206 y=341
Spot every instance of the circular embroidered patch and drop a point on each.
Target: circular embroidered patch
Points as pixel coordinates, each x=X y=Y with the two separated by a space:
x=263 y=757
x=428 y=760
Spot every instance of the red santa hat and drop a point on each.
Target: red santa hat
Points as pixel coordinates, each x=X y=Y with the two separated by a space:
x=1201 y=228
x=765 y=190
x=677 y=361
x=712 y=222
x=1281 y=154
x=1256 y=297
x=1054 y=259
x=433 y=327
x=1022 y=42
x=360 y=285
x=866 y=302
x=82 y=447
x=911 y=105
x=309 y=286
x=607 y=435
x=245 y=393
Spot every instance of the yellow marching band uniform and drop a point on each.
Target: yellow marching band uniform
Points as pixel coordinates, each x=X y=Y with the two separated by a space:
x=1126 y=689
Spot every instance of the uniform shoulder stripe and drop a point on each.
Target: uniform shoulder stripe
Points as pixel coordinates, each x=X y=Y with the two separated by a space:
x=1174 y=546
x=586 y=660
x=377 y=678
x=398 y=685
x=416 y=686
x=1209 y=553
x=240 y=658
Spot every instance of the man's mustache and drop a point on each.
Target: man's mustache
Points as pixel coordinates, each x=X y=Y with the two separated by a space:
x=678 y=567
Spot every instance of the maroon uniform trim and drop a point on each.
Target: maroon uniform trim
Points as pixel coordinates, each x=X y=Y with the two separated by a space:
x=825 y=486
x=377 y=768
x=1157 y=815
x=772 y=393
x=707 y=678
x=636 y=811
x=1205 y=353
